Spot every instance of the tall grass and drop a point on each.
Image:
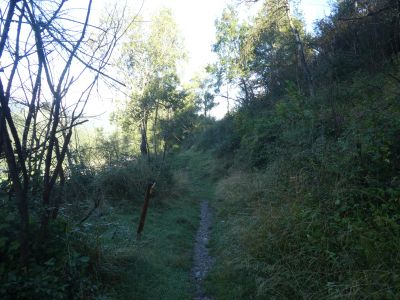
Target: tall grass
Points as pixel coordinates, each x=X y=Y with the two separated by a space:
x=276 y=240
x=310 y=207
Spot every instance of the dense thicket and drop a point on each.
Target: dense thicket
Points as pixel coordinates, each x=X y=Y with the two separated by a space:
x=310 y=205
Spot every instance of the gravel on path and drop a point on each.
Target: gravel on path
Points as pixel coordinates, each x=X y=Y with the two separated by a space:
x=202 y=261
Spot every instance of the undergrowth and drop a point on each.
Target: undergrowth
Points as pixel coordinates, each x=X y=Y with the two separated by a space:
x=309 y=206
x=57 y=269
x=157 y=266
x=92 y=251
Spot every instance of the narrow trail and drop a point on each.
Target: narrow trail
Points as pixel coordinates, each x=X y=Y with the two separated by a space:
x=202 y=261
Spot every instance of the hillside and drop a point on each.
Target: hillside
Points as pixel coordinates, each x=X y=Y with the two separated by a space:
x=294 y=194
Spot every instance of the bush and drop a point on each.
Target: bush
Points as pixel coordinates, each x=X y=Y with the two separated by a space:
x=311 y=207
x=56 y=270
x=221 y=137
x=285 y=242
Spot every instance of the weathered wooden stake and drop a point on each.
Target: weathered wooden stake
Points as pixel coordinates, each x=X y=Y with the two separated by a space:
x=149 y=188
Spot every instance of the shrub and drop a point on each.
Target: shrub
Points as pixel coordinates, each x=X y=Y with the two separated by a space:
x=56 y=270
x=310 y=209
x=286 y=242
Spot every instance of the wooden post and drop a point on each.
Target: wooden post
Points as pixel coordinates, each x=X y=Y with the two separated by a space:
x=149 y=188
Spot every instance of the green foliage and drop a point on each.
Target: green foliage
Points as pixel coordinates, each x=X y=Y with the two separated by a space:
x=220 y=137
x=56 y=270
x=319 y=219
x=150 y=59
x=308 y=187
x=228 y=47
x=71 y=264
x=128 y=180
x=362 y=35
x=309 y=207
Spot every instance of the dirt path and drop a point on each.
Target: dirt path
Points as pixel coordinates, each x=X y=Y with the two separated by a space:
x=202 y=261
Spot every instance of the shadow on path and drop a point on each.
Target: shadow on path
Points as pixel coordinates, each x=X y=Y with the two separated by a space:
x=202 y=262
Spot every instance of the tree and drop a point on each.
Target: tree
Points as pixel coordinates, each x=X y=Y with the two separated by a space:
x=301 y=56
x=278 y=15
x=231 y=68
x=260 y=57
x=359 y=33
x=149 y=59
x=202 y=90
x=39 y=44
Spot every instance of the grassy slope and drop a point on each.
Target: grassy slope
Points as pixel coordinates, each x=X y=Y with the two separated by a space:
x=158 y=266
x=319 y=220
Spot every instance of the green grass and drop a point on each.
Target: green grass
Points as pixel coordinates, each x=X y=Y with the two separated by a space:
x=158 y=265
x=206 y=171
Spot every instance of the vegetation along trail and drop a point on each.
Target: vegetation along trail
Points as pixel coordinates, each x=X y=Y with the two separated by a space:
x=293 y=193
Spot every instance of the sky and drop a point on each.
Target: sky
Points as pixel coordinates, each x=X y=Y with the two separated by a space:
x=195 y=19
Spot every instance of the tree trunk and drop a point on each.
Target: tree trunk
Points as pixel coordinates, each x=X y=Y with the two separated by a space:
x=155 y=130
x=227 y=99
x=246 y=92
x=47 y=188
x=58 y=199
x=20 y=189
x=143 y=132
x=300 y=51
